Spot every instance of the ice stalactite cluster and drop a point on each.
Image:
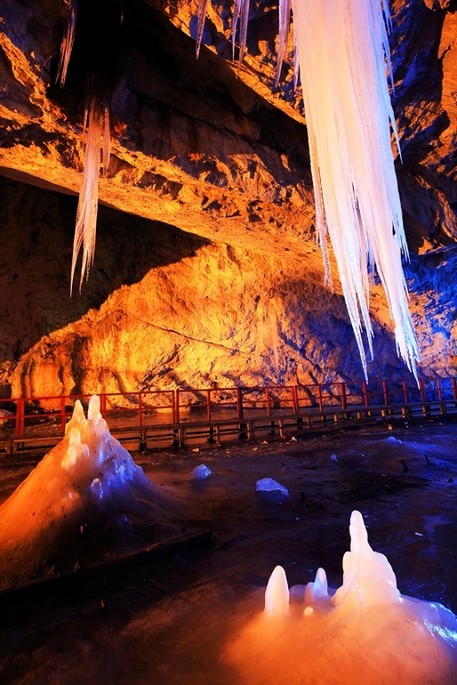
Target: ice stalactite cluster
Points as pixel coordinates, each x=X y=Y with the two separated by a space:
x=202 y=5
x=365 y=632
x=343 y=56
x=97 y=144
x=96 y=129
x=68 y=40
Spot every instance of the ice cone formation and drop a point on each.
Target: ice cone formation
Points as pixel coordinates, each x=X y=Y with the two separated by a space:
x=87 y=479
x=365 y=632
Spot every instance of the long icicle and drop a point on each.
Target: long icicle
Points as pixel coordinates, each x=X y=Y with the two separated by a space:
x=96 y=126
x=201 y=18
x=342 y=54
x=284 y=25
x=66 y=47
x=241 y=16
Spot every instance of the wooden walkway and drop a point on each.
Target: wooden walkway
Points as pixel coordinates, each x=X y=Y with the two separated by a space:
x=196 y=417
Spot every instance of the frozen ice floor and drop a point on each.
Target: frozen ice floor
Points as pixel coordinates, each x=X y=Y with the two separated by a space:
x=166 y=621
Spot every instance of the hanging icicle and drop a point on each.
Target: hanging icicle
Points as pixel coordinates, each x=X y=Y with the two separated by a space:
x=343 y=53
x=201 y=16
x=283 y=34
x=241 y=17
x=96 y=29
x=66 y=47
x=96 y=127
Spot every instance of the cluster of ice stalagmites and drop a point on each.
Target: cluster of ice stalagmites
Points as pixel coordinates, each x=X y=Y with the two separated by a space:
x=365 y=632
x=88 y=480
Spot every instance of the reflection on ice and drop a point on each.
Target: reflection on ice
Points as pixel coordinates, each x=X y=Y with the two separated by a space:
x=85 y=492
x=365 y=632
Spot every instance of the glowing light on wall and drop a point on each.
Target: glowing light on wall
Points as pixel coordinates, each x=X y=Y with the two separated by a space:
x=343 y=54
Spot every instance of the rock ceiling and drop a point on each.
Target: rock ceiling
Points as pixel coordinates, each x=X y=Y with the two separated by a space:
x=206 y=264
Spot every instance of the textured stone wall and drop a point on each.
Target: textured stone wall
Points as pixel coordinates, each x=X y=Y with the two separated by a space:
x=206 y=266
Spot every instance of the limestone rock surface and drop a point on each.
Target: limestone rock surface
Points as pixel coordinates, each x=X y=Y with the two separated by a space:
x=206 y=265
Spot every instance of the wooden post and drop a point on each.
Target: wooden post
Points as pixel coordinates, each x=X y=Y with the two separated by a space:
x=320 y=398
x=176 y=406
x=242 y=428
x=425 y=408
x=440 y=396
x=19 y=427
x=422 y=390
x=239 y=403
x=365 y=394
x=405 y=411
x=295 y=399
x=344 y=399
x=140 y=409
x=405 y=392
x=208 y=404
x=454 y=388
x=438 y=389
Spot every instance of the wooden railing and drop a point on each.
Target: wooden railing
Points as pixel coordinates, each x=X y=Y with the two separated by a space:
x=184 y=415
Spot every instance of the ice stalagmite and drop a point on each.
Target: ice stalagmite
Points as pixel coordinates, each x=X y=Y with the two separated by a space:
x=277 y=593
x=343 y=56
x=97 y=146
x=85 y=501
x=365 y=632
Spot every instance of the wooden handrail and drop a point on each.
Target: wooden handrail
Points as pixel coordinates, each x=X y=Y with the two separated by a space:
x=240 y=402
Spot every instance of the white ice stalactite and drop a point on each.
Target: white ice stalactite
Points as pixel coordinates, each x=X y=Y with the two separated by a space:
x=344 y=57
x=68 y=40
x=97 y=146
x=241 y=16
x=342 y=51
x=106 y=140
x=201 y=16
x=284 y=25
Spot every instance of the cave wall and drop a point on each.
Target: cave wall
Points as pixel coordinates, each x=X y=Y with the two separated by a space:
x=206 y=268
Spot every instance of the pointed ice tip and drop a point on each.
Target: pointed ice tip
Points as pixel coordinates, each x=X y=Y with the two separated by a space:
x=356 y=518
x=277 y=593
x=93 y=411
x=77 y=416
x=321 y=583
x=357 y=525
